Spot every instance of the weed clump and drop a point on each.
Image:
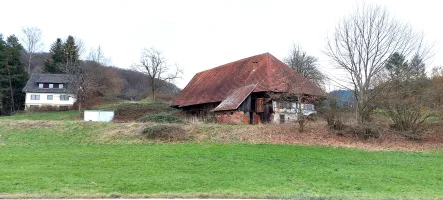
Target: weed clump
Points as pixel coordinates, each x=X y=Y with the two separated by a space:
x=162 y=117
x=133 y=111
x=166 y=133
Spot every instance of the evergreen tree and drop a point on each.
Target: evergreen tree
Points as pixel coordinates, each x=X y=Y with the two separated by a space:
x=401 y=70
x=56 y=58
x=71 y=51
x=396 y=66
x=417 y=67
x=12 y=75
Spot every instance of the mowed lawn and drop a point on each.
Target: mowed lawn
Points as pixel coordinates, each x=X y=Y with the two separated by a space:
x=66 y=161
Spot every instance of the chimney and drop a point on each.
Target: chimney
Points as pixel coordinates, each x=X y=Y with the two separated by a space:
x=254 y=65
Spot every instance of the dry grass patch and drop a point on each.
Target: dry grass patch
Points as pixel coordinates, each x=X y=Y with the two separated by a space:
x=316 y=133
x=30 y=124
x=129 y=132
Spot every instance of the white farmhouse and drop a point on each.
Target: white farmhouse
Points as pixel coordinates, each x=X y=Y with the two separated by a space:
x=49 y=90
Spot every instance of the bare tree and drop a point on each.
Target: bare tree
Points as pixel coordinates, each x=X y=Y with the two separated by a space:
x=32 y=40
x=154 y=64
x=437 y=71
x=81 y=47
x=304 y=64
x=361 y=45
x=98 y=56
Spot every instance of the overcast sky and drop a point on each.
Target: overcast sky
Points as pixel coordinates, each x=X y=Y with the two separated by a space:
x=199 y=35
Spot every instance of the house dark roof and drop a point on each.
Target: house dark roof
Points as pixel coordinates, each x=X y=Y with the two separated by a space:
x=35 y=79
x=264 y=70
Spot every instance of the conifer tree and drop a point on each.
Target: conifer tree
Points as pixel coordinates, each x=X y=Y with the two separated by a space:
x=13 y=76
x=56 y=59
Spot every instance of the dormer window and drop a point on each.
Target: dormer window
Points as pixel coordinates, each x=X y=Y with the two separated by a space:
x=51 y=85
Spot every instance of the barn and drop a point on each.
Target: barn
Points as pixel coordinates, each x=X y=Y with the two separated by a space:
x=253 y=90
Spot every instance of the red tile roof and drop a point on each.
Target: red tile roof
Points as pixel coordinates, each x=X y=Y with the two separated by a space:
x=264 y=70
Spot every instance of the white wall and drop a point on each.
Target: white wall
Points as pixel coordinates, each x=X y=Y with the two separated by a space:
x=44 y=100
x=291 y=115
x=98 y=115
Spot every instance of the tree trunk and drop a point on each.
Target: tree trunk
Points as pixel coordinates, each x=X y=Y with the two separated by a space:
x=360 y=108
x=153 y=89
x=29 y=63
x=12 y=91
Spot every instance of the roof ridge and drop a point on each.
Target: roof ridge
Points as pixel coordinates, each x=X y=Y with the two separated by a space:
x=233 y=62
x=216 y=84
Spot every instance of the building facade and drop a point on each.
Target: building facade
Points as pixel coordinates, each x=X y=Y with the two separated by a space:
x=51 y=90
x=254 y=90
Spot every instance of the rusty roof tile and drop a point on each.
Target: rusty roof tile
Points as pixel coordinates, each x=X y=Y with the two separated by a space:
x=264 y=70
x=235 y=98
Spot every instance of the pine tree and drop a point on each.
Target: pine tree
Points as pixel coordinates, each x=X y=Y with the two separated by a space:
x=396 y=66
x=401 y=70
x=71 y=51
x=12 y=75
x=56 y=58
x=417 y=67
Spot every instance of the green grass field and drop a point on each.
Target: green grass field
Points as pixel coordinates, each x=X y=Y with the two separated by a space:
x=69 y=158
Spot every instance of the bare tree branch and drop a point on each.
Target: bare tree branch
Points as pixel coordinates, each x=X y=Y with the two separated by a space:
x=154 y=64
x=363 y=42
x=304 y=64
x=32 y=40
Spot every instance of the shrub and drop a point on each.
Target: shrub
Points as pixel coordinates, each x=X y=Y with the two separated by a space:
x=50 y=108
x=364 y=131
x=166 y=133
x=133 y=111
x=160 y=117
x=408 y=120
x=333 y=115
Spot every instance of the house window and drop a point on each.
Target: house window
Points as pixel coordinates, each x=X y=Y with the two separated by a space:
x=64 y=98
x=51 y=85
x=35 y=97
x=45 y=85
x=60 y=85
x=50 y=97
x=40 y=85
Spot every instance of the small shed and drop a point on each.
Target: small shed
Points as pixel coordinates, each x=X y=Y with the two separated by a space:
x=98 y=115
